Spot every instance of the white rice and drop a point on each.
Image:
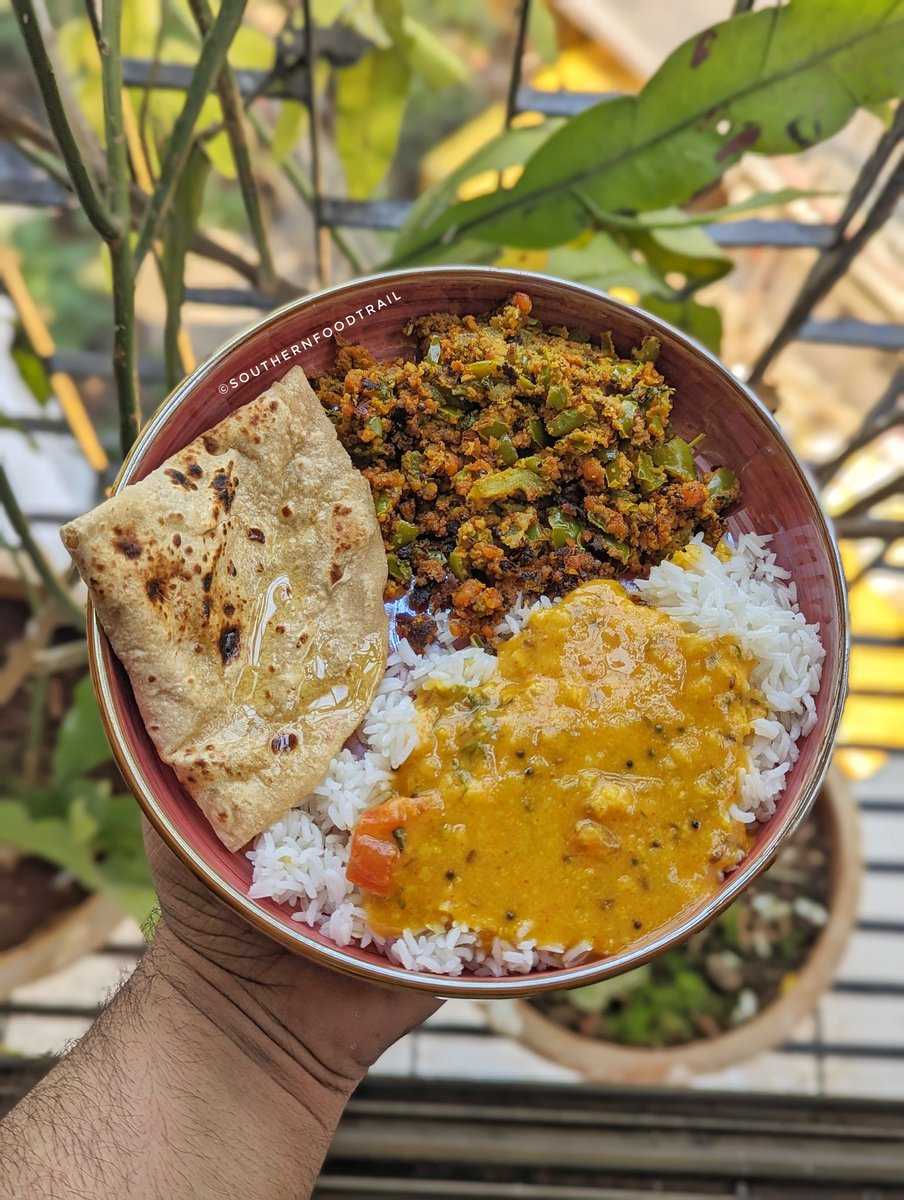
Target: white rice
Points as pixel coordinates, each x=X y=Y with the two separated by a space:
x=300 y=861
x=751 y=598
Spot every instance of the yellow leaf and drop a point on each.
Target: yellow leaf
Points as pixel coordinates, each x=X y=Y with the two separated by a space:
x=252 y=50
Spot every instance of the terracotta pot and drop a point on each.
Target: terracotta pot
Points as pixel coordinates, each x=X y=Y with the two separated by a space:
x=63 y=939
x=771 y=1027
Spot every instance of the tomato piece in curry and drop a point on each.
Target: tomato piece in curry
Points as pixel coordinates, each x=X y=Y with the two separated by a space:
x=581 y=795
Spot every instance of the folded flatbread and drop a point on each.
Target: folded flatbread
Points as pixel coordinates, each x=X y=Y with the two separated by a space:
x=241 y=586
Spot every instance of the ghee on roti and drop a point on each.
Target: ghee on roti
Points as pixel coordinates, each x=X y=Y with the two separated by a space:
x=241 y=586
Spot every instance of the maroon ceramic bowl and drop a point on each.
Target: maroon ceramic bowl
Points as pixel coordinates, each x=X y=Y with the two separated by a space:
x=777 y=498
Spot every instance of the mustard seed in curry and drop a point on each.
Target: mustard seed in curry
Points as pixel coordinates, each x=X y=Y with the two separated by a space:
x=507 y=459
x=582 y=795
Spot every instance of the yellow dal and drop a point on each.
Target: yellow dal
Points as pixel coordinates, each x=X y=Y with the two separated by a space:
x=585 y=789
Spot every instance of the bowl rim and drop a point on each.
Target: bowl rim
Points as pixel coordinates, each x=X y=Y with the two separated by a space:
x=329 y=954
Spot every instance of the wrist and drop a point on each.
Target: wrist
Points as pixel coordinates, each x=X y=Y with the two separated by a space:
x=245 y=1013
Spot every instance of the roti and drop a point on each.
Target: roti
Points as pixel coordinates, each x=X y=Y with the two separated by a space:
x=241 y=586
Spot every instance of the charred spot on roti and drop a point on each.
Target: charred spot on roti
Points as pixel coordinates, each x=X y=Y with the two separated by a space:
x=207 y=581
x=228 y=609
x=154 y=589
x=230 y=568
x=196 y=470
x=177 y=540
x=336 y=572
x=205 y=609
x=129 y=546
x=230 y=642
x=152 y=678
x=256 y=535
x=210 y=443
x=286 y=511
x=181 y=480
x=223 y=485
x=283 y=742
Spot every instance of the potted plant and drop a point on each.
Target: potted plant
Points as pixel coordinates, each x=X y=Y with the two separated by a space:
x=736 y=989
x=71 y=857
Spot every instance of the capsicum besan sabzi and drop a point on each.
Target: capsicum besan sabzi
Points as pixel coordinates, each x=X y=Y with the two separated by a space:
x=510 y=459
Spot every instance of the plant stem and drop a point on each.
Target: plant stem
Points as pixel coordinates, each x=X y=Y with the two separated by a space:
x=124 y=369
x=36 y=554
x=153 y=72
x=305 y=192
x=85 y=187
x=234 y=120
x=210 y=61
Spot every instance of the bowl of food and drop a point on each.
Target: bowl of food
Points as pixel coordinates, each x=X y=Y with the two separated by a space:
x=503 y=659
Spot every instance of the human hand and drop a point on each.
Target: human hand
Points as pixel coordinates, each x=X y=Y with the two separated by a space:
x=332 y=1025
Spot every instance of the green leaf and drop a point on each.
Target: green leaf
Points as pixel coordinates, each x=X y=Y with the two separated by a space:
x=688 y=251
x=75 y=843
x=81 y=742
x=55 y=839
x=677 y=218
x=33 y=371
x=509 y=149
x=370 y=104
x=603 y=262
x=429 y=57
x=774 y=81
x=364 y=16
x=291 y=126
x=701 y=321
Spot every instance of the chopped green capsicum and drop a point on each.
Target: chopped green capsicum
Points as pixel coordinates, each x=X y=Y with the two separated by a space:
x=564 y=528
x=537 y=432
x=506 y=451
x=648 y=350
x=648 y=475
x=615 y=548
x=557 y=397
x=382 y=502
x=493 y=428
x=502 y=484
x=398 y=570
x=721 y=483
x=617 y=472
x=484 y=367
x=458 y=565
x=433 y=350
x=625 y=421
x=676 y=457
x=403 y=533
x=566 y=421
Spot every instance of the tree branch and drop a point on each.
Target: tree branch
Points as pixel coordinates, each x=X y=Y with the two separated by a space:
x=124 y=369
x=234 y=120
x=210 y=61
x=36 y=554
x=85 y=187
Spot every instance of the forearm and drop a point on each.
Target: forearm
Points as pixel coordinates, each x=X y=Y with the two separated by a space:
x=176 y=1091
